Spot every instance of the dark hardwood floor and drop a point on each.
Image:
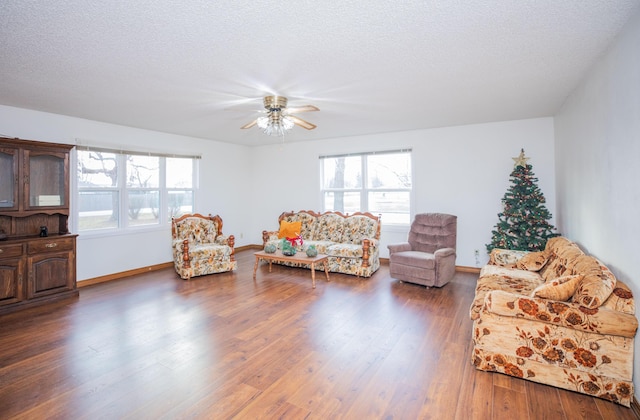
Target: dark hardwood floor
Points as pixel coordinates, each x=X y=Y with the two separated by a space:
x=223 y=346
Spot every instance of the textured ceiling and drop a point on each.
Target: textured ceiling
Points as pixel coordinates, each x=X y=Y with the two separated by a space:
x=201 y=67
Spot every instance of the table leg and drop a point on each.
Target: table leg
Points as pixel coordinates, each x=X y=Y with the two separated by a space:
x=313 y=275
x=255 y=268
x=326 y=270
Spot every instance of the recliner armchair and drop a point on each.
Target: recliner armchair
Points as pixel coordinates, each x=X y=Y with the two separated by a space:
x=428 y=257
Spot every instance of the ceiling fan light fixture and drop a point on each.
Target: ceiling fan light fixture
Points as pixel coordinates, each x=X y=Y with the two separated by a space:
x=278 y=119
x=287 y=123
x=275 y=124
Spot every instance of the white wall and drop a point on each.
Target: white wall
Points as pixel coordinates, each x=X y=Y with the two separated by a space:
x=461 y=170
x=598 y=150
x=224 y=177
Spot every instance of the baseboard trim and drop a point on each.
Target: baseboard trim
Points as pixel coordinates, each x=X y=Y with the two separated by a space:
x=245 y=247
x=465 y=269
x=142 y=270
x=123 y=274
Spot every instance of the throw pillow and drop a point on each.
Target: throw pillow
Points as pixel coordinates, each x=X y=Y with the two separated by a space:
x=597 y=285
x=289 y=229
x=533 y=261
x=560 y=289
x=505 y=257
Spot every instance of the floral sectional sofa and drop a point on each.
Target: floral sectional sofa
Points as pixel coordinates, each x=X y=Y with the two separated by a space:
x=350 y=241
x=558 y=317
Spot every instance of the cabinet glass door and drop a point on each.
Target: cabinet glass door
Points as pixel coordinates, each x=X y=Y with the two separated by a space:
x=8 y=179
x=47 y=177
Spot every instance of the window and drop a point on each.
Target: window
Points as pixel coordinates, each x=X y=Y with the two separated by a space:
x=143 y=190
x=118 y=190
x=377 y=182
x=180 y=191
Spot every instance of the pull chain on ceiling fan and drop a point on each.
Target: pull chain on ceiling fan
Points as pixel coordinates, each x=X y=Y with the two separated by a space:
x=279 y=119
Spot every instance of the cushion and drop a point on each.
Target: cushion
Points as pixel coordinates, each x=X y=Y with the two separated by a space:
x=432 y=231
x=307 y=221
x=505 y=257
x=557 y=242
x=596 y=287
x=497 y=281
x=196 y=230
x=289 y=229
x=532 y=261
x=419 y=259
x=621 y=299
x=512 y=273
x=562 y=262
x=561 y=288
x=329 y=227
x=587 y=265
x=357 y=228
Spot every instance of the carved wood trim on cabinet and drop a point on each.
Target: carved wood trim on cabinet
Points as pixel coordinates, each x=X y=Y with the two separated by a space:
x=34 y=192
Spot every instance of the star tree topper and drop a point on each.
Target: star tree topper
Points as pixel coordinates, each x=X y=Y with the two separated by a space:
x=520 y=160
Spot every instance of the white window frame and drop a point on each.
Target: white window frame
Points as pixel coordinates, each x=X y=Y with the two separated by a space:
x=364 y=189
x=121 y=188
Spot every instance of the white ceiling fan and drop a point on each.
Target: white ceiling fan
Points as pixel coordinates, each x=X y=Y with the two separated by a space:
x=279 y=118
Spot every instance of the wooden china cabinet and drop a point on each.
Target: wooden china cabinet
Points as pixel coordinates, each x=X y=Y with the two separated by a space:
x=34 y=198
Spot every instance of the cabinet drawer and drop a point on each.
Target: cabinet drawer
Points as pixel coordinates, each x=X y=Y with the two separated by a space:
x=52 y=245
x=10 y=250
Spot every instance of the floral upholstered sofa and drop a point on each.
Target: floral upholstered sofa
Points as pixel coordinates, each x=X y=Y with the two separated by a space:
x=199 y=247
x=558 y=317
x=350 y=241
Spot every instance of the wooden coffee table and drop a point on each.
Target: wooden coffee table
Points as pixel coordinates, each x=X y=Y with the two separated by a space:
x=300 y=257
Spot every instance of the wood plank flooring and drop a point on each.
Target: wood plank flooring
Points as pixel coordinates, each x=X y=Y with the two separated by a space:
x=223 y=346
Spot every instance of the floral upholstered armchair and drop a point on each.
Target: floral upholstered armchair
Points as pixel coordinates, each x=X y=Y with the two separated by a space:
x=199 y=247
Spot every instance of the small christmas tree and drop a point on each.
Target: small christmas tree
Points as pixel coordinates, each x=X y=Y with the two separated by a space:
x=523 y=224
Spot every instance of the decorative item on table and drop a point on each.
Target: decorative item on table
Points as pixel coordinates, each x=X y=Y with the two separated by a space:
x=270 y=248
x=44 y=232
x=312 y=251
x=287 y=248
x=289 y=244
x=3 y=236
x=296 y=241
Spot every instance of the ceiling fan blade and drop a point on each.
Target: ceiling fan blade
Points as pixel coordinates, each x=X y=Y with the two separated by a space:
x=249 y=125
x=238 y=109
x=302 y=123
x=304 y=108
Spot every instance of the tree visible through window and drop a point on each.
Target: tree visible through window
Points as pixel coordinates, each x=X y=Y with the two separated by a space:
x=147 y=189
x=378 y=182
